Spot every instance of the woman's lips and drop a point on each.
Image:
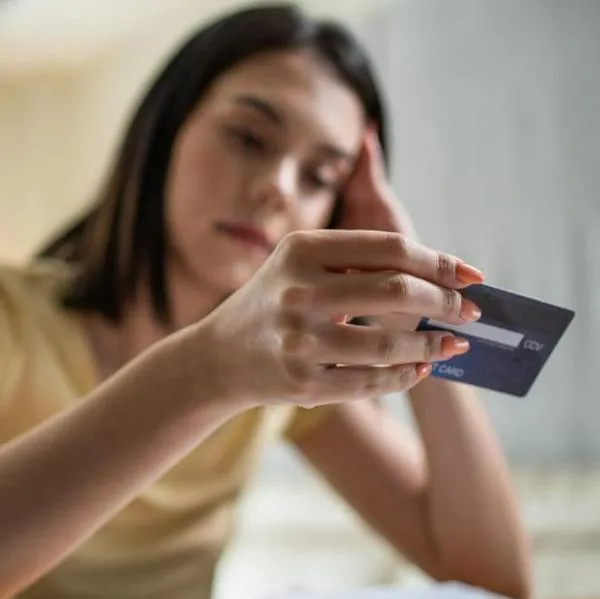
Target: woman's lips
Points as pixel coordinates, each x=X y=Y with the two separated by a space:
x=246 y=234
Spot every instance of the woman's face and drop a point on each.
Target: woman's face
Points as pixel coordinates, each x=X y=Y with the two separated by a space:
x=264 y=154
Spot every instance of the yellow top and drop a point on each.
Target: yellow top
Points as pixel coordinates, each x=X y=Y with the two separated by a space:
x=166 y=543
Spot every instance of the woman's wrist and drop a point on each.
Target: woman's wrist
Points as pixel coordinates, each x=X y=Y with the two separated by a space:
x=207 y=374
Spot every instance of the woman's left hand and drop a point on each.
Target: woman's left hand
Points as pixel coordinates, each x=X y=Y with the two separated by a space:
x=369 y=203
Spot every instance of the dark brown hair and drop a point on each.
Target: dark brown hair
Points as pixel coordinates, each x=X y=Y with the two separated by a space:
x=122 y=238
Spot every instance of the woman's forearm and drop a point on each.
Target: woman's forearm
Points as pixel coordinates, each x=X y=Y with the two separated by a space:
x=473 y=510
x=65 y=478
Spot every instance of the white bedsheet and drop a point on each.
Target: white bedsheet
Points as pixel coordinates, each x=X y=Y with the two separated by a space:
x=437 y=591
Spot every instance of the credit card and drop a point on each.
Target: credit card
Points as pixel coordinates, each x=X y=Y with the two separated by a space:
x=510 y=344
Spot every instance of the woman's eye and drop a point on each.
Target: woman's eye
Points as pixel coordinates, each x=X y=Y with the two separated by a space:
x=248 y=140
x=319 y=182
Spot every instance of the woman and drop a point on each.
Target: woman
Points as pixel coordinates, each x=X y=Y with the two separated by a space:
x=204 y=301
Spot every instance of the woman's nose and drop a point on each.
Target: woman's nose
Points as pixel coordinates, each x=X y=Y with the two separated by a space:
x=277 y=186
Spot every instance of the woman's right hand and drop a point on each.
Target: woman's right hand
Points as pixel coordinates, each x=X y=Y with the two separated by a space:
x=279 y=339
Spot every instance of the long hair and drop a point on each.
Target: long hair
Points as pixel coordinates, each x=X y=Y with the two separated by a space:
x=122 y=238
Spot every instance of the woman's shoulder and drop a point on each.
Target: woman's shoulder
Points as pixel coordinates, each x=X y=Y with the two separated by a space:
x=22 y=287
x=30 y=302
x=44 y=359
x=40 y=340
x=34 y=276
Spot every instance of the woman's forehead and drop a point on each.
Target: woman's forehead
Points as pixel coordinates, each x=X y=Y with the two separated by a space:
x=299 y=87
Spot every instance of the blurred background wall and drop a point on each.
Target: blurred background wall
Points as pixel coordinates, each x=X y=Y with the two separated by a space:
x=495 y=110
x=495 y=107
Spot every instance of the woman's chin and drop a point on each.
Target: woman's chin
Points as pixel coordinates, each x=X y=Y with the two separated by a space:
x=217 y=272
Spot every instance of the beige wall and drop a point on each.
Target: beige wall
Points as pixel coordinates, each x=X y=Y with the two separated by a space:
x=57 y=132
x=40 y=170
x=54 y=139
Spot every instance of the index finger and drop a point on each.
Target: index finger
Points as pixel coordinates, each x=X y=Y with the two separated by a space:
x=341 y=251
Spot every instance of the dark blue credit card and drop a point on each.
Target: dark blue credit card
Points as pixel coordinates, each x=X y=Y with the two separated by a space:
x=510 y=344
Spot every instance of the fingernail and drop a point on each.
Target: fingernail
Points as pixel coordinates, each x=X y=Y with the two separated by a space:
x=454 y=346
x=468 y=274
x=469 y=311
x=423 y=370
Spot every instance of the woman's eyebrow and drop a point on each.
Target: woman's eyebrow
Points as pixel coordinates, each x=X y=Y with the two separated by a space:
x=276 y=116
x=337 y=153
x=263 y=106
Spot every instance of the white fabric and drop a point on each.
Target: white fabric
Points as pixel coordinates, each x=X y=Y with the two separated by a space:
x=439 y=591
